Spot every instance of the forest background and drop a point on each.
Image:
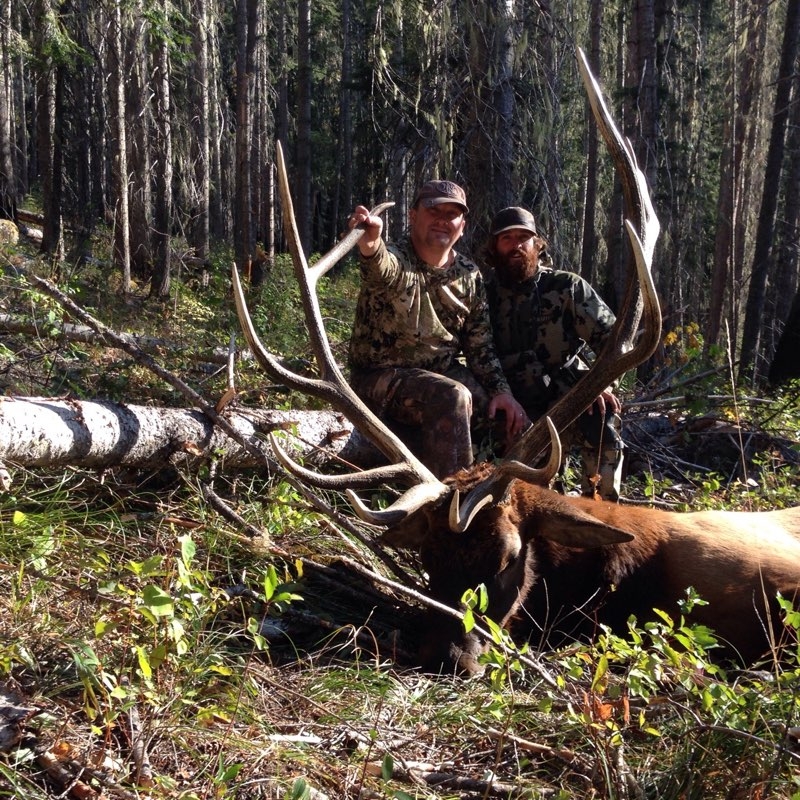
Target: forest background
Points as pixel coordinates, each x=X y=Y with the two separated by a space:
x=196 y=630
x=160 y=118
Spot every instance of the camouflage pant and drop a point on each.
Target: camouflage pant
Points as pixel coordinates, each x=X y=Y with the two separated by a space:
x=432 y=413
x=601 y=454
x=598 y=436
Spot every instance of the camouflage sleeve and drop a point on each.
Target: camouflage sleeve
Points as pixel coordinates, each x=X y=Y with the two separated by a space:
x=478 y=345
x=380 y=266
x=593 y=318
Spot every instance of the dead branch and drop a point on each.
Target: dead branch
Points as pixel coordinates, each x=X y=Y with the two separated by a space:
x=87 y=335
x=67 y=783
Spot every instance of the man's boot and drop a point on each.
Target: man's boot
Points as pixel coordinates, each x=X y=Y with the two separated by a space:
x=611 y=474
x=602 y=476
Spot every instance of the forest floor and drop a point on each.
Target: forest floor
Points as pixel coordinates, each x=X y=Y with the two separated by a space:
x=154 y=647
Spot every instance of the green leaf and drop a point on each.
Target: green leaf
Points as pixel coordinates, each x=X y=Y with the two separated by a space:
x=270 y=582
x=158 y=655
x=157 y=601
x=469 y=620
x=146 y=568
x=387 y=767
x=227 y=774
x=144 y=663
x=600 y=671
x=300 y=790
x=254 y=629
x=188 y=549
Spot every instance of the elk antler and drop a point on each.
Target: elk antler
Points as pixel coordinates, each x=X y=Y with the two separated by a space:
x=334 y=389
x=616 y=358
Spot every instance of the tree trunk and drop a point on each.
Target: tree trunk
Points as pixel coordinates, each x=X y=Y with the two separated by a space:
x=343 y=192
x=42 y=328
x=749 y=365
x=788 y=234
x=52 y=433
x=49 y=84
x=245 y=42
x=303 y=182
x=138 y=89
x=122 y=243
x=589 y=235
x=8 y=181
x=162 y=233
x=262 y=154
x=504 y=104
x=199 y=224
x=739 y=126
x=785 y=364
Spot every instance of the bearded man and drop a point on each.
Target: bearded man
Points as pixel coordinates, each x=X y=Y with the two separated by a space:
x=545 y=322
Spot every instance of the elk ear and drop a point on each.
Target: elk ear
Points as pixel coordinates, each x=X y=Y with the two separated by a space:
x=574 y=528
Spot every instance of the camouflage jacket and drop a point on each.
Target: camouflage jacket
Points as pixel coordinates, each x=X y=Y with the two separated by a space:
x=541 y=324
x=411 y=315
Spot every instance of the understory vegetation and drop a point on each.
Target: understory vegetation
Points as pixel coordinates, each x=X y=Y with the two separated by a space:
x=154 y=647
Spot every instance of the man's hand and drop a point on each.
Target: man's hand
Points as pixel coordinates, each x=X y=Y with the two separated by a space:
x=516 y=418
x=373 y=227
x=606 y=403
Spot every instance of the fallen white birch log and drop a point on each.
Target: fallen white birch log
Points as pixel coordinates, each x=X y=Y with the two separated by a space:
x=50 y=432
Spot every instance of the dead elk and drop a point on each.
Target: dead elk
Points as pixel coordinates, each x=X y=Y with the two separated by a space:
x=568 y=564
x=557 y=568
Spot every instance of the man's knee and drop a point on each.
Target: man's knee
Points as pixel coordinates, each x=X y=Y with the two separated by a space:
x=458 y=399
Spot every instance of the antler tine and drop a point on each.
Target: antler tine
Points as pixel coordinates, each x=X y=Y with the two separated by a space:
x=332 y=387
x=616 y=357
x=509 y=469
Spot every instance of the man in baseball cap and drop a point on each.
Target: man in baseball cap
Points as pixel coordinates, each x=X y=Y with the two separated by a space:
x=543 y=319
x=513 y=218
x=421 y=308
x=435 y=193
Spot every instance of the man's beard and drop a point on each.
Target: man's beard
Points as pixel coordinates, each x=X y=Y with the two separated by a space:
x=511 y=271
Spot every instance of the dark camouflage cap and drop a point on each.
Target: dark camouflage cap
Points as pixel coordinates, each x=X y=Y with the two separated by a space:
x=435 y=193
x=513 y=217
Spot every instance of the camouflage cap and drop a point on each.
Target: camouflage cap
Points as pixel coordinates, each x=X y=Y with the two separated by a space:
x=513 y=217
x=435 y=193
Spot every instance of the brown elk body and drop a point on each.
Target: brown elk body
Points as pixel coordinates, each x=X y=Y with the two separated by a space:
x=561 y=565
x=552 y=575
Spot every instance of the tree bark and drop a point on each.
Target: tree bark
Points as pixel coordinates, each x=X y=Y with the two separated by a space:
x=749 y=366
x=122 y=242
x=199 y=224
x=589 y=235
x=162 y=233
x=788 y=233
x=8 y=181
x=732 y=186
x=785 y=364
x=139 y=144
x=303 y=183
x=53 y=433
x=49 y=86
x=82 y=333
x=245 y=43
x=343 y=193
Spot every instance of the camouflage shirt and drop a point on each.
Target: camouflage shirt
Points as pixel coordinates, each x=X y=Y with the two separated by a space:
x=412 y=315
x=540 y=324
